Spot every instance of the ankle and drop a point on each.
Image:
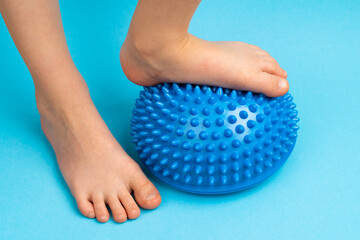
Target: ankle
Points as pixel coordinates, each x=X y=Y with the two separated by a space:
x=150 y=48
x=58 y=100
x=145 y=60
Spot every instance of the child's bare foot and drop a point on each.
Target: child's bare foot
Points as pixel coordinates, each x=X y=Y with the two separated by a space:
x=94 y=165
x=190 y=59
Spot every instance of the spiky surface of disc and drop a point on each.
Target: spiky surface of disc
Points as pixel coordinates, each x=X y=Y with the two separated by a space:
x=212 y=140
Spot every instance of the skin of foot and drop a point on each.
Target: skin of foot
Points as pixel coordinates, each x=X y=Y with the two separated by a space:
x=234 y=65
x=158 y=48
x=94 y=165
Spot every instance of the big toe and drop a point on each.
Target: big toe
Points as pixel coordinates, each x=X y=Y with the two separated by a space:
x=146 y=194
x=269 y=84
x=269 y=65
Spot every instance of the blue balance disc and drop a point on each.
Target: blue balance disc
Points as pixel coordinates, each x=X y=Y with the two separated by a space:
x=211 y=140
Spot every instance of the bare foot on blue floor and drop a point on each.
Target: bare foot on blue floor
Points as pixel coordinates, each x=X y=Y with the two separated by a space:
x=234 y=65
x=94 y=165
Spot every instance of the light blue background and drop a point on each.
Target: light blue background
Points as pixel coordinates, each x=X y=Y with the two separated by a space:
x=316 y=195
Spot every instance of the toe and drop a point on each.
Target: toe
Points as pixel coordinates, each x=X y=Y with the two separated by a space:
x=262 y=53
x=271 y=85
x=101 y=212
x=146 y=194
x=252 y=46
x=85 y=207
x=130 y=205
x=117 y=209
x=272 y=67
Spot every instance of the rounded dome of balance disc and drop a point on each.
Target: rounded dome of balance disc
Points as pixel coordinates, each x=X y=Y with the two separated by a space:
x=211 y=140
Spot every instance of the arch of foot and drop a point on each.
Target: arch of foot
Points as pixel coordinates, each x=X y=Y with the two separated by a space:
x=212 y=137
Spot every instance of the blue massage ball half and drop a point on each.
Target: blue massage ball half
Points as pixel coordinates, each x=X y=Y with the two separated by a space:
x=211 y=140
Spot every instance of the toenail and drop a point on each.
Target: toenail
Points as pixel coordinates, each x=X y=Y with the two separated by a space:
x=91 y=215
x=102 y=218
x=120 y=217
x=151 y=196
x=282 y=83
x=134 y=212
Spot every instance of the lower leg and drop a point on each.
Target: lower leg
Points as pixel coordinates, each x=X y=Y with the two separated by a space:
x=37 y=31
x=95 y=167
x=158 y=48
